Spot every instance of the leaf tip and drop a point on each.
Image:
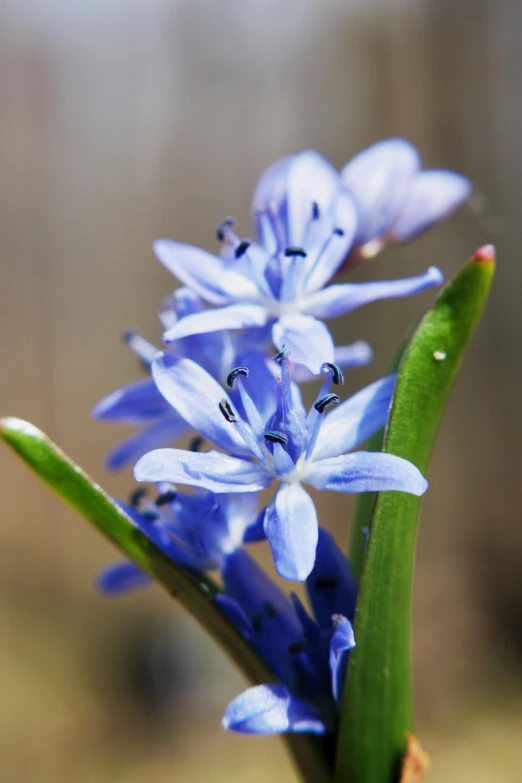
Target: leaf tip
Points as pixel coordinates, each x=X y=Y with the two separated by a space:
x=10 y=424
x=486 y=254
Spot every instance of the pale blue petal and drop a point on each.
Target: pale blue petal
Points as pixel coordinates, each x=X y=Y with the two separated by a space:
x=136 y=403
x=237 y=316
x=211 y=470
x=331 y=587
x=346 y=356
x=322 y=264
x=339 y=299
x=195 y=395
x=161 y=433
x=209 y=276
x=341 y=643
x=291 y=529
x=308 y=340
x=271 y=709
x=311 y=179
x=122 y=578
x=433 y=196
x=367 y=472
x=355 y=420
x=379 y=179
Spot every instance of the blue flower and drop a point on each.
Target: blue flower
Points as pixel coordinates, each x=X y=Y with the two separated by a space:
x=307 y=219
x=141 y=404
x=277 y=444
x=197 y=531
x=308 y=657
x=395 y=198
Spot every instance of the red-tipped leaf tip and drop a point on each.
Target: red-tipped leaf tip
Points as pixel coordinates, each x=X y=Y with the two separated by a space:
x=485 y=254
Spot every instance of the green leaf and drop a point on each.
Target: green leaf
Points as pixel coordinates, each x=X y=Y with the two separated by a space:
x=195 y=591
x=377 y=709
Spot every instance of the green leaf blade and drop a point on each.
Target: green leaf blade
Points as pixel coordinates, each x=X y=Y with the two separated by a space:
x=378 y=696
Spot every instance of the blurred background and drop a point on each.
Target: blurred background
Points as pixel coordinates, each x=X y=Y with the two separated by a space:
x=122 y=121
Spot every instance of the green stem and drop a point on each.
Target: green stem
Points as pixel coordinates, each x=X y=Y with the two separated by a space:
x=378 y=694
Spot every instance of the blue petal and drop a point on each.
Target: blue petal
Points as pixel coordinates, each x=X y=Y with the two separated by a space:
x=379 y=179
x=355 y=420
x=311 y=179
x=136 y=403
x=195 y=395
x=331 y=587
x=367 y=472
x=237 y=316
x=291 y=529
x=271 y=709
x=339 y=299
x=206 y=274
x=346 y=356
x=122 y=578
x=341 y=643
x=308 y=340
x=161 y=433
x=233 y=610
x=211 y=470
x=433 y=196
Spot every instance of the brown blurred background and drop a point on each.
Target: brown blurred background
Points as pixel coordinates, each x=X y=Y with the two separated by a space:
x=123 y=121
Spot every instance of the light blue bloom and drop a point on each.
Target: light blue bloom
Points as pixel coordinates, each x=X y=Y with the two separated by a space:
x=141 y=404
x=287 y=447
x=307 y=219
x=309 y=657
x=197 y=531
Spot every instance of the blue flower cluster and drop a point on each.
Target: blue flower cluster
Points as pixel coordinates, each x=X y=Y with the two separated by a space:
x=218 y=377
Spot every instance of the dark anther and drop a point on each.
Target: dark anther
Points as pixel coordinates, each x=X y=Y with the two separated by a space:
x=242 y=248
x=166 y=497
x=276 y=437
x=338 y=232
x=231 y=377
x=326 y=583
x=295 y=251
x=270 y=609
x=256 y=624
x=226 y=410
x=324 y=402
x=283 y=353
x=127 y=335
x=315 y=210
x=137 y=496
x=149 y=515
x=337 y=373
x=220 y=230
x=196 y=443
x=296 y=648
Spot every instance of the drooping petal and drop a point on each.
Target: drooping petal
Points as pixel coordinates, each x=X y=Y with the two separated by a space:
x=346 y=356
x=195 y=395
x=355 y=420
x=341 y=643
x=161 y=433
x=432 y=196
x=206 y=274
x=308 y=340
x=367 y=472
x=122 y=578
x=237 y=316
x=291 y=529
x=211 y=470
x=136 y=403
x=271 y=709
x=339 y=299
x=379 y=178
x=331 y=587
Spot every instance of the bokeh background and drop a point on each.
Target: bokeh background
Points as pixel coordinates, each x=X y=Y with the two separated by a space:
x=124 y=120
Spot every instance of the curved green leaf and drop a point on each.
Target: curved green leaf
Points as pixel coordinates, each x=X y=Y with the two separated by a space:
x=195 y=591
x=378 y=700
